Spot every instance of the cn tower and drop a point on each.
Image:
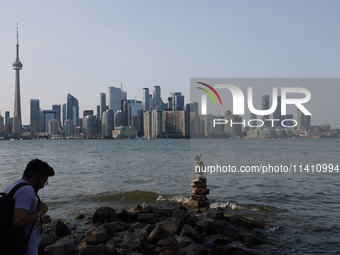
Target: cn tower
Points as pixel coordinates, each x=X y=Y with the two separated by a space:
x=17 y=66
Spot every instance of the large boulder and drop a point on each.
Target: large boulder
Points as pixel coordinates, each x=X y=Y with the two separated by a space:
x=103 y=215
x=60 y=229
x=64 y=246
x=190 y=232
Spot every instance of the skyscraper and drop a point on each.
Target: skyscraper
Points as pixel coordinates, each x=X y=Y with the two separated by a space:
x=17 y=66
x=57 y=108
x=157 y=102
x=277 y=113
x=115 y=98
x=102 y=105
x=108 y=122
x=265 y=106
x=145 y=99
x=72 y=109
x=35 y=117
x=177 y=101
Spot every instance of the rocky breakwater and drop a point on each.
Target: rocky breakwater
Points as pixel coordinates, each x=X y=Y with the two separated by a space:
x=166 y=229
x=199 y=186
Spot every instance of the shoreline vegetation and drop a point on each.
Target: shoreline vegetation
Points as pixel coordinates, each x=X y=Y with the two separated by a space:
x=166 y=228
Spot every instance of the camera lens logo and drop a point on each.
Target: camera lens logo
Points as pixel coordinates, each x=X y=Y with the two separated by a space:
x=204 y=97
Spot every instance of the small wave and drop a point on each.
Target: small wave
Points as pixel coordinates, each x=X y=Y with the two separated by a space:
x=174 y=198
x=231 y=205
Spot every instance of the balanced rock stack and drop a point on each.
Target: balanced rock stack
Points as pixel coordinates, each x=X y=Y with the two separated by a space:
x=199 y=186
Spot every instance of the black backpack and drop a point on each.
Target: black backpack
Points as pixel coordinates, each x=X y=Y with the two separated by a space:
x=13 y=241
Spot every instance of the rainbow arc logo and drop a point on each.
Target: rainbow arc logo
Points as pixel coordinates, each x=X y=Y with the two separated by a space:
x=209 y=93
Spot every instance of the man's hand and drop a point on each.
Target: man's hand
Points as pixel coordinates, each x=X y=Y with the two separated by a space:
x=46 y=219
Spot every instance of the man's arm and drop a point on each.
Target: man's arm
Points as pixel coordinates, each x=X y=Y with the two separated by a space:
x=21 y=218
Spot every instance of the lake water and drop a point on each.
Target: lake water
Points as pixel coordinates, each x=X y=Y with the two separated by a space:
x=301 y=210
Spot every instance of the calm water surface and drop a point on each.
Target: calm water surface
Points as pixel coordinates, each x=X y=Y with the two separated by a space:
x=301 y=211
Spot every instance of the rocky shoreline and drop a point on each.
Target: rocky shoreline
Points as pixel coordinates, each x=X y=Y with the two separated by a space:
x=165 y=228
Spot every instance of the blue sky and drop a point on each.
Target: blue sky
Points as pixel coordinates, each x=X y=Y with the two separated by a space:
x=83 y=47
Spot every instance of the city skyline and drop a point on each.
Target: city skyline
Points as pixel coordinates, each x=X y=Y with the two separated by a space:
x=86 y=47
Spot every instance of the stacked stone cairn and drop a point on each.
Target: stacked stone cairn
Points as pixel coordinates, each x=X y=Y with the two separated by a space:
x=199 y=186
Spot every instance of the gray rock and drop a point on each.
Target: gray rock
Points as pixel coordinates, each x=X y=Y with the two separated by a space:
x=47 y=240
x=157 y=234
x=137 y=226
x=149 y=218
x=167 y=209
x=136 y=208
x=132 y=243
x=206 y=226
x=222 y=226
x=146 y=208
x=166 y=241
x=184 y=240
x=99 y=235
x=215 y=215
x=117 y=226
x=98 y=250
x=149 y=228
x=103 y=215
x=180 y=214
x=142 y=234
x=60 y=229
x=64 y=246
x=123 y=215
x=190 y=232
x=193 y=249
x=173 y=225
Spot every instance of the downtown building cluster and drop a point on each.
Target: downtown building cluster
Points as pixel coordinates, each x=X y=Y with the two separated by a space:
x=116 y=116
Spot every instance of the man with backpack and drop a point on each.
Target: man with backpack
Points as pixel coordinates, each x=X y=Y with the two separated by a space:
x=28 y=210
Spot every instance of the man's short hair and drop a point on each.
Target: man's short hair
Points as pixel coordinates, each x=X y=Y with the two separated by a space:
x=37 y=167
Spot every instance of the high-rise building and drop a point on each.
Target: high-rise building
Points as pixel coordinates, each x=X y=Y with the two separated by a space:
x=288 y=120
x=35 y=117
x=87 y=113
x=252 y=116
x=145 y=99
x=307 y=122
x=156 y=123
x=140 y=122
x=157 y=102
x=6 y=117
x=1 y=126
x=115 y=98
x=102 y=105
x=119 y=119
x=301 y=121
x=277 y=113
x=108 y=122
x=68 y=128
x=123 y=95
x=72 y=109
x=53 y=127
x=64 y=114
x=176 y=123
x=57 y=108
x=177 y=101
x=265 y=106
x=47 y=115
x=148 y=124
x=169 y=107
x=228 y=128
x=17 y=66
x=89 y=125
